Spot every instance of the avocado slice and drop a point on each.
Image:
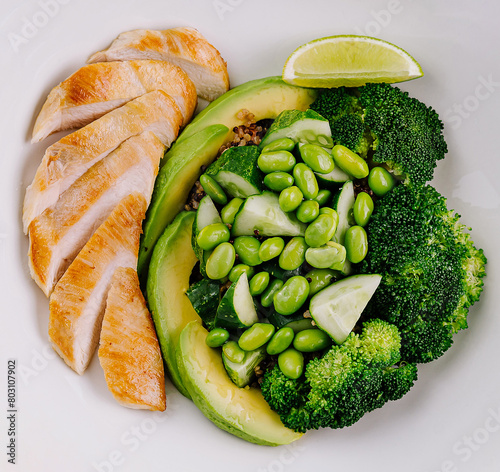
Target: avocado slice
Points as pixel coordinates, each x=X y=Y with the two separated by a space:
x=173 y=184
x=240 y=411
x=168 y=280
x=265 y=98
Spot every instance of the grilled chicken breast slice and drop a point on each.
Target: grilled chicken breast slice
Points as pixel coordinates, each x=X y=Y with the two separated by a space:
x=96 y=89
x=73 y=155
x=129 y=351
x=79 y=298
x=184 y=47
x=60 y=232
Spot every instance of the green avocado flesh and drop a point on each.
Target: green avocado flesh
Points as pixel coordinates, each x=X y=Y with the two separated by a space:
x=240 y=411
x=173 y=184
x=168 y=280
x=264 y=98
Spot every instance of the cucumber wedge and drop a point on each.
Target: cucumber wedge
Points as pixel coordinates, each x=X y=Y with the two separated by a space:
x=206 y=214
x=336 y=176
x=343 y=203
x=337 y=308
x=301 y=126
x=263 y=213
x=236 y=309
x=242 y=373
x=237 y=172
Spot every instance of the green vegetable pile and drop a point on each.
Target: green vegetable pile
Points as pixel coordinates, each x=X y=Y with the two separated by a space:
x=329 y=268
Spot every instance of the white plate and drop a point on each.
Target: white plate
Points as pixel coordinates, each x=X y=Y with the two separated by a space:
x=450 y=421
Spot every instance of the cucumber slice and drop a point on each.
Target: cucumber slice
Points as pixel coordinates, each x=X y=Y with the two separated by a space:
x=337 y=308
x=301 y=126
x=237 y=172
x=236 y=309
x=242 y=373
x=206 y=214
x=205 y=297
x=336 y=176
x=343 y=203
x=263 y=213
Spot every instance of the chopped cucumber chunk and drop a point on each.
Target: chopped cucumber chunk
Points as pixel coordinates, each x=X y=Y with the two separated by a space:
x=237 y=172
x=337 y=308
x=242 y=373
x=343 y=203
x=206 y=215
x=301 y=126
x=263 y=213
x=236 y=309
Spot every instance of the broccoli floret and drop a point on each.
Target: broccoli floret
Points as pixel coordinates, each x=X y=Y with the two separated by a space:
x=382 y=123
x=350 y=380
x=431 y=271
x=341 y=107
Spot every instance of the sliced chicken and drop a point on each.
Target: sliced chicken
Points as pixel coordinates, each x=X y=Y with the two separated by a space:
x=129 y=351
x=96 y=89
x=73 y=155
x=58 y=234
x=79 y=298
x=184 y=47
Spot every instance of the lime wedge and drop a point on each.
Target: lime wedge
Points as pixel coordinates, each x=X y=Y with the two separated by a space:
x=350 y=61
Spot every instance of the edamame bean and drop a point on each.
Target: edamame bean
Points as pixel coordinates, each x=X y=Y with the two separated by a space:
x=278 y=181
x=229 y=211
x=291 y=363
x=326 y=256
x=221 y=261
x=259 y=283
x=247 y=248
x=271 y=248
x=356 y=244
x=217 y=337
x=323 y=196
x=306 y=181
x=320 y=230
x=280 y=341
x=292 y=295
x=213 y=189
x=363 y=208
x=311 y=340
x=282 y=144
x=293 y=256
x=267 y=298
x=213 y=235
x=380 y=181
x=276 y=161
x=233 y=352
x=319 y=279
x=350 y=162
x=290 y=198
x=308 y=211
x=316 y=158
x=238 y=269
x=256 y=336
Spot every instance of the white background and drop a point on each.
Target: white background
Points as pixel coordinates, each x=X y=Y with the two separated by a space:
x=450 y=421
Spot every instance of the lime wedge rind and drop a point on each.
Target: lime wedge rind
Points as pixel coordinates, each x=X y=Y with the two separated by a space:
x=349 y=60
